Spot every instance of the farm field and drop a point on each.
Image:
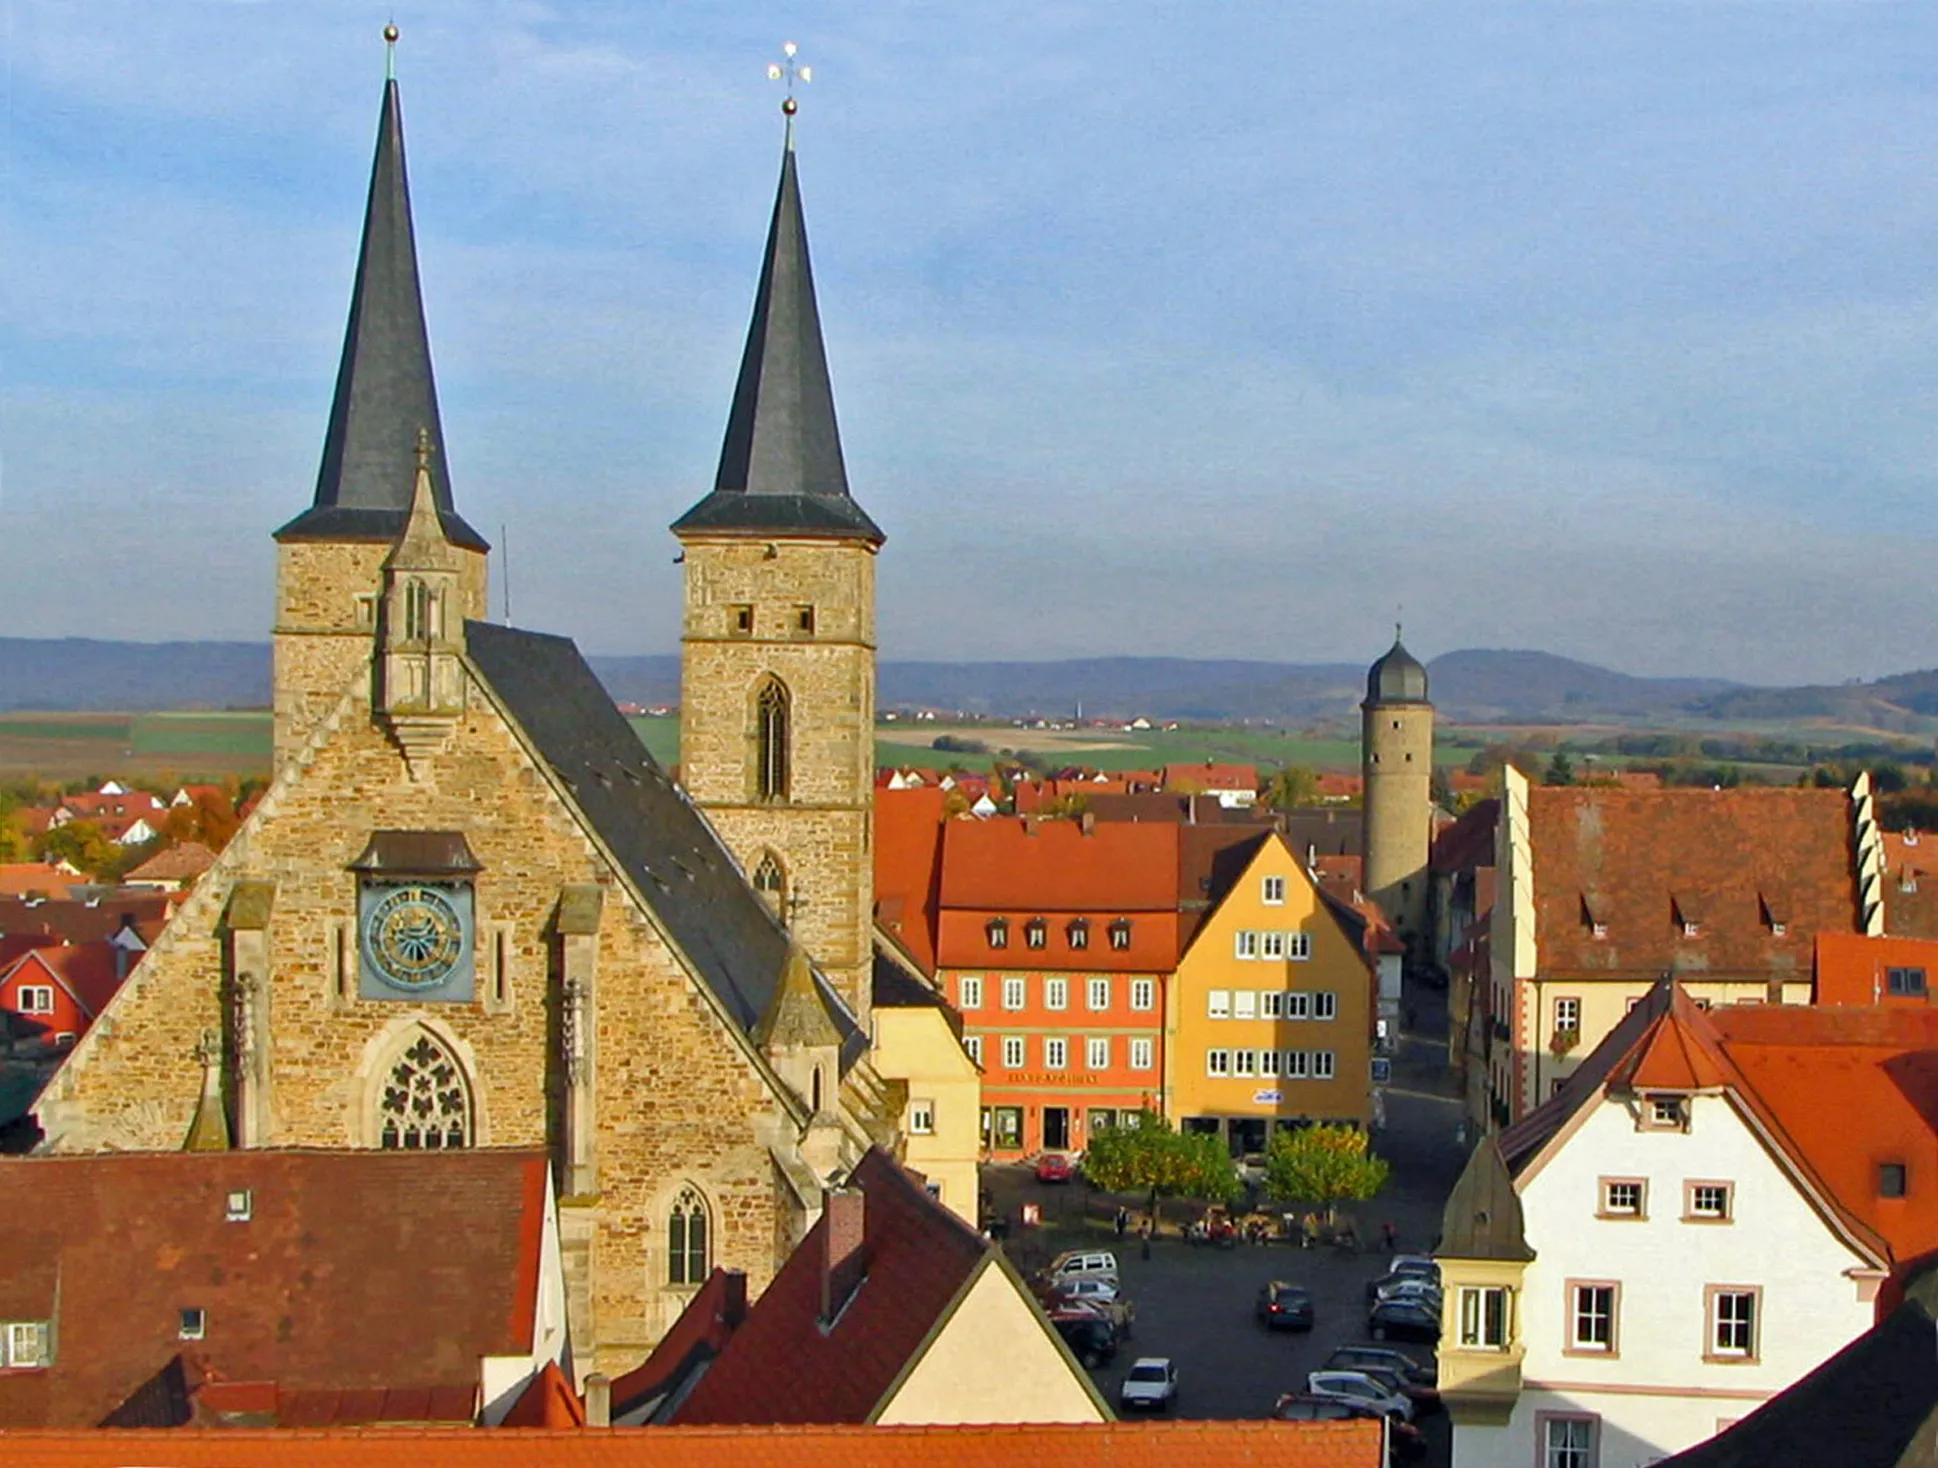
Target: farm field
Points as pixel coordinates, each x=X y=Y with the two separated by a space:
x=156 y=747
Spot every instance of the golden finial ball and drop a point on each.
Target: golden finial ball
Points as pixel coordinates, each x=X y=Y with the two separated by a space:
x=790 y=107
x=390 y=34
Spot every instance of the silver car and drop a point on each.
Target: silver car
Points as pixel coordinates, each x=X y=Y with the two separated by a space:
x=1354 y=1386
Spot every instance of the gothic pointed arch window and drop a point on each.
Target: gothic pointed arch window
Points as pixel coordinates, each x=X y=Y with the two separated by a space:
x=689 y=1240
x=770 y=880
x=425 y=1100
x=773 y=731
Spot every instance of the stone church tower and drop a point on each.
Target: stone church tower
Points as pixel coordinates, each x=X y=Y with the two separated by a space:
x=1396 y=759
x=777 y=671
x=330 y=559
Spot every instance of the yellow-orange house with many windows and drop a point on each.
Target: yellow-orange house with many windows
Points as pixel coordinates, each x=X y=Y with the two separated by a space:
x=1272 y=1010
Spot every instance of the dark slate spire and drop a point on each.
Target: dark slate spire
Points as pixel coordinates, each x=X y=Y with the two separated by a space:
x=385 y=394
x=780 y=468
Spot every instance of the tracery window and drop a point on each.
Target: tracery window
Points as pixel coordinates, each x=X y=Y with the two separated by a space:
x=771 y=882
x=686 y=1239
x=426 y=1104
x=772 y=717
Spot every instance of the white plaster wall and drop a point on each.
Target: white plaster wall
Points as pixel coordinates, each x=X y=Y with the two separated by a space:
x=1633 y=1431
x=1811 y=1306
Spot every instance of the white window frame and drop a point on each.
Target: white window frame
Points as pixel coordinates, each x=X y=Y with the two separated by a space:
x=35 y=998
x=969 y=992
x=972 y=1046
x=1140 y=1053
x=1268 y=1063
x=1481 y=1327
x=1056 y=1053
x=1717 y=1349
x=1015 y=1052
x=1096 y=1052
x=1218 y=1003
x=1567 y=1015
x=1244 y=943
x=1244 y=1063
x=1016 y=994
x=1298 y=1004
x=1298 y=947
x=1056 y=993
x=1120 y=934
x=1568 y=1440
x=25 y=1345
x=1325 y=1005
x=1143 y=994
x=1244 y=1004
x=1217 y=1062
x=1584 y=1316
x=1297 y=1066
x=921 y=1118
x=1325 y=1065
x=1271 y=944
x=1271 y=891
x=1097 y=994
x=1271 y=1004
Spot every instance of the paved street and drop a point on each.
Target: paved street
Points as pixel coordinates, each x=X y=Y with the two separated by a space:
x=1194 y=1303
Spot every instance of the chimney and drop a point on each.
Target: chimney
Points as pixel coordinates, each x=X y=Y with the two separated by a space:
x=842 y=1218
x=733 y=1297
x=598 y=1400
x=1088 y=822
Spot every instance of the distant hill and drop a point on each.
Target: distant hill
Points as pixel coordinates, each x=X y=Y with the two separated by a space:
x=1472 y=686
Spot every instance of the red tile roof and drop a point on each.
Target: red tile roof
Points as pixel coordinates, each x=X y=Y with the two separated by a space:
x=25 y=878
x=179 y=863
x=1211 y=776
x=1468 y=843
x=908 y=867
x=82 y=922
x=1854 y=969
x=783 y=1365
x=356 y=1271
x=90 y=972
x=1737 y=862
x=1911 y=883
x=1118 y=1444
x=547 y=1401
x=1058 y=867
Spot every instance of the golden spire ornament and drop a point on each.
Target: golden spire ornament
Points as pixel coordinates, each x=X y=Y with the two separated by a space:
x=790 y=71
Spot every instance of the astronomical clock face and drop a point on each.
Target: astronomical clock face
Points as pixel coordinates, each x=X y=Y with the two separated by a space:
x=416 y=940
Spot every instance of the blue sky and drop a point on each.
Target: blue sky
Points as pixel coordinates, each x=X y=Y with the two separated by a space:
x=1217 y=330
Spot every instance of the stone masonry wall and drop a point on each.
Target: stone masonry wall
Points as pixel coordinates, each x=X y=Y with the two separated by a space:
x=678 y=1098
x=822 y=832
x=1397 y=755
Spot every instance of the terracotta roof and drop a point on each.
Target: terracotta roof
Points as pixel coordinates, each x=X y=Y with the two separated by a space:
x=90 y=972
x=179 y=863
x=908 y=867
x=82 y=922
x=24 y=878
x=93 y=806
x=1210 y=775
x=1469 y=842
x=784 y=1365
x=547 y=1401
x=1911 y=883
x=356 y=1271
x=1679 y=1053
x=697 y=1337
x=1738 y=862
x=1855 y=969
x=1120 y=1444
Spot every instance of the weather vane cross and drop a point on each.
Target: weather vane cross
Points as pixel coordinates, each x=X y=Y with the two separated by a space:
x=790 y=71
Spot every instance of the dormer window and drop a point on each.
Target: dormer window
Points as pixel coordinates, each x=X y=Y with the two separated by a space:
x=1905 y=982
x=1776 y=914
x=1120 y=934
x=24 y=1344
x=193 y=1324
x=1594 y=914
x=997 y=931
x=1079 y=933
x=1036 y=932
x=1688 y=915
x=1665 y=1113
x=1890 y=1180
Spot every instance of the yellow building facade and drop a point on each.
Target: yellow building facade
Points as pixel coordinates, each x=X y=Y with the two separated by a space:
x=1271 y=1014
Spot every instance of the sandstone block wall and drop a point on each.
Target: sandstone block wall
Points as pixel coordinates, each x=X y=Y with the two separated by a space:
x=1397 y=761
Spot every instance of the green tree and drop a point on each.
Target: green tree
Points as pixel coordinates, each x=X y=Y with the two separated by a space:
x=1325 y=1165
x=81 y=843
x=1149 y=1157
x=1294 y=785
x=1561 y=770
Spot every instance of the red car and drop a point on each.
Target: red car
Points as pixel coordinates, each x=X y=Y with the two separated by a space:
x=1054 y=1167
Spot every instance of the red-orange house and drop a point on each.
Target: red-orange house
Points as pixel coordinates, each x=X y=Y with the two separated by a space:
x=51 y=995
x=1056 y=941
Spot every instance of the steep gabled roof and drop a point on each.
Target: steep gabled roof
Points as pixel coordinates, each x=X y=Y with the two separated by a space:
x=1680 y=1052
x=784 y=1365
x=781 y=471
x=89 y=972
x=908 y=866
x=1482 y=1217
x=385 y=393
x=305 y=1293
x=661 y=843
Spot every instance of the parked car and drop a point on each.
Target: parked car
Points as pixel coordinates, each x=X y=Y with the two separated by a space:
x=1404 y=1269
x=1425 y=1399
x=1356 y=1386
x=1407 y=1287
x=1074 y=1262
x=1407 y=1440
x=1282 y=1306
x=1151 y=1383
x=1358 y=1358
x=1410 y=1320
x=1100 y=1295
x=1054 y=1167
x=1092 y=1339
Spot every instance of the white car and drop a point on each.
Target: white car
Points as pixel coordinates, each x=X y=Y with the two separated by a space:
x=1152 y=1383
x=1352 y=1386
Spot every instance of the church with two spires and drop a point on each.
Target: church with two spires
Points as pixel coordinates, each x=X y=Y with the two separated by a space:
x=472 y=911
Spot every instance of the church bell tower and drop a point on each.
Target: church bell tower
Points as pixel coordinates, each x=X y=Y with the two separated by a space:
x=330 y=560
x=777 y=667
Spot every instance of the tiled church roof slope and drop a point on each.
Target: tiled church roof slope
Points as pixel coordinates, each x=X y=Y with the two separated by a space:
x=664 y=846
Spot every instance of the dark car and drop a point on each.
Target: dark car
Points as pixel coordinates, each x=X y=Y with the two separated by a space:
x=1282 y=1306
x=1403 y=1320
x=1407 y=1439
x=1358 y=1358
x=1091 y=1337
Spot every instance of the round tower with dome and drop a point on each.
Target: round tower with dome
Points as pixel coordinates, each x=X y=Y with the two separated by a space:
x=1396 y=760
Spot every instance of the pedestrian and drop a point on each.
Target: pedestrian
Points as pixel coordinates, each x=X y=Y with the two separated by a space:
x=1145 y=1249
x=1311 y=1231
x=1389 y=1236
x=1123 y=1220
